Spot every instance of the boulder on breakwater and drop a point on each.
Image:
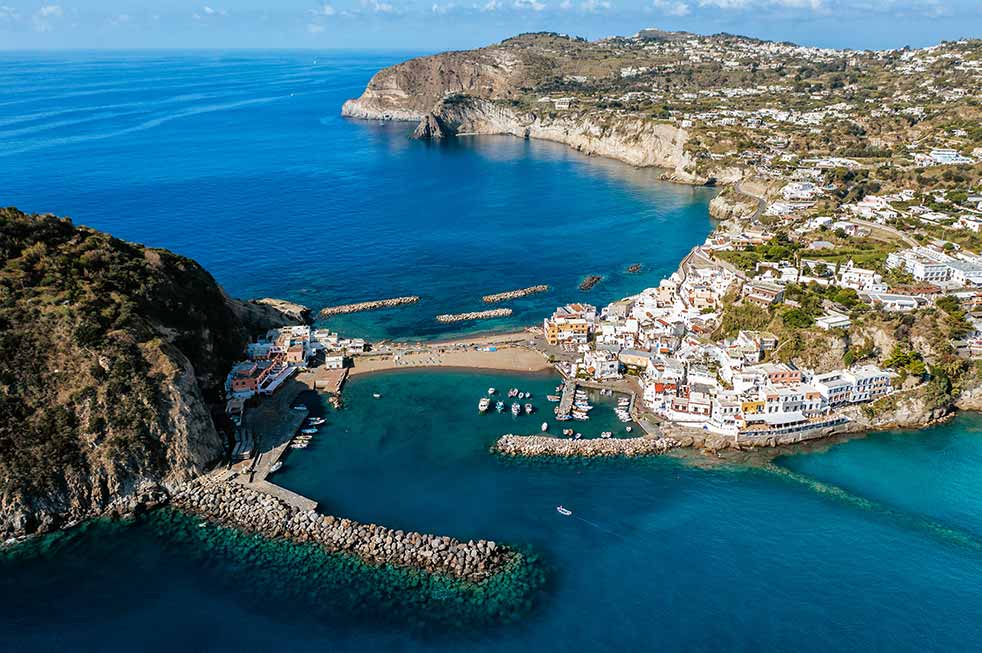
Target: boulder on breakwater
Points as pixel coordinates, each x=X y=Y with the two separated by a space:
x=368 y=306
x=475 y=315
x=514 y=294
x=543 y=445
x=236 y=505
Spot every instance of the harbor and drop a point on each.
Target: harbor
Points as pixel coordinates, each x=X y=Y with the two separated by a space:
x=368 y=306
x=514 y=294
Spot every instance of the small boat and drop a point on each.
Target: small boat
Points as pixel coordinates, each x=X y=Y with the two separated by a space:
x=606 y=434
x=500 y=406
x=577 y=436
x=299 y=408
x=275 y=466
x=491 y=391
x=628 y=429
x=521 y=395
x=516 y=409
x=310 y=431
x=545 y=426
x=376 y=395
x=512 y=392
x=528 y=395
x=483 y=404
x=553 y=397
x=564 y=511
x=529 y=408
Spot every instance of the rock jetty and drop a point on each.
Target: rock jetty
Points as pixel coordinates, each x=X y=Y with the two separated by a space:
x=475 y=315
x=590 y=282
x=233 y=504
x=368 y=306
x=529 y=446
x=514 y=294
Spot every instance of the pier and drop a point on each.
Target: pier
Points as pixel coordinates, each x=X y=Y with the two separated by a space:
x=475 y=315
x=514 y=294
x=368 y=306
x=566 y=401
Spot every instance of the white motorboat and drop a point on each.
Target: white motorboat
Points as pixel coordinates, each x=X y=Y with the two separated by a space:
x=606 y=435
x=275 y=466
x=299 y=408
x=529 y=408
x=376 y=395
x=310 y=431
x=566 y=512
x=491 y=391
x=483 y=404
x=545 y=426
x=500 y=406
x=516 y=409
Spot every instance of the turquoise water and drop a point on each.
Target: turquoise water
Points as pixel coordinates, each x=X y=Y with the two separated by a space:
x=242 y=161
x=659 y=554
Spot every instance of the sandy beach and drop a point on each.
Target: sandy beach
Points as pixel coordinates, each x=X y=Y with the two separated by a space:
x=506 y=351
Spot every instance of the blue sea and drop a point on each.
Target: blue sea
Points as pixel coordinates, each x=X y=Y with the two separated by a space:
x=241 y=161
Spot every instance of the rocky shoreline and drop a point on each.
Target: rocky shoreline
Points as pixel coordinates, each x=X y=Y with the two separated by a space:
x=235 y=505
x=514 y=294
x=368 y=306
x=473 y=315
x=531 y=446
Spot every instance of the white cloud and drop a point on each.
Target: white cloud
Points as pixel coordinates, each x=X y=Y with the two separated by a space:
x=380 y=7
x=566 y=5
x=534 y=5
x=671 y=7
x=814 y=5
x=595 y=6
x=491 y=5
x=45 y=17
x=8 y=13
x=442 y=9
x=324 y=10
x=314 y=28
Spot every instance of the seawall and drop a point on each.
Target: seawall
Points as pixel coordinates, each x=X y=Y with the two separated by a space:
x=530 y=446
x=235 y=505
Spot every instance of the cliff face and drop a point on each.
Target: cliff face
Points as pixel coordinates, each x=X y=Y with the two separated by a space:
x=110 y=355
x=474 y=92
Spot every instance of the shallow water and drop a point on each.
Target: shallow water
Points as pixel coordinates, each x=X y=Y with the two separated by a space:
x=242 y=161
x=657 y=555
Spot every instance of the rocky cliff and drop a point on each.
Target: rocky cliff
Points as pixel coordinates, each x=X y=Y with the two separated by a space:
x=476 y=92
x=111 y=356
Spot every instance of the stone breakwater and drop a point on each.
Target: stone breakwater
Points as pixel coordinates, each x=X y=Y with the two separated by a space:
x=475 y=315
x=238 y=506
x=529 y=446
x=589 y=282
x=514 y=294
x=368 y=306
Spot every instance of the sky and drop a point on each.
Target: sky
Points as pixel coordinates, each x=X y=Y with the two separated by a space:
x=434 y=25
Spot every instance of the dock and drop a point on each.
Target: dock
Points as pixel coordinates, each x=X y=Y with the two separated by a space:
x=566 y=401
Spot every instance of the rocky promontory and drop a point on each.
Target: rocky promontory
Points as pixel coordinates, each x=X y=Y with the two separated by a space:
x=233 y=504
x=112 y=355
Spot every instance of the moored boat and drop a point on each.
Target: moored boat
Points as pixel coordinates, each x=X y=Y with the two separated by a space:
x=516 y=409
x=483 y=404
x=564 y=511
x=500 y=406
x=529 y=408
